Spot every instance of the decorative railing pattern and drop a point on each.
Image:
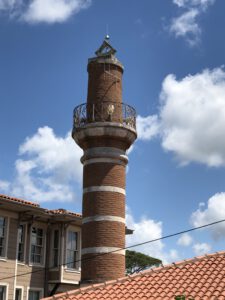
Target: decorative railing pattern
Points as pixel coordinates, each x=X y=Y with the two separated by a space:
x=106 y=111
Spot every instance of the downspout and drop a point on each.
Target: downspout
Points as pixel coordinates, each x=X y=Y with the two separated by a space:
x=17 y=244
x=47 y=253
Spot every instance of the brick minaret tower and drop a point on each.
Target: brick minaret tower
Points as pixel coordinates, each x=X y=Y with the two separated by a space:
x=104 y=128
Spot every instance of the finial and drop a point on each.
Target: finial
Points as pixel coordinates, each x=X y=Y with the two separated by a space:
x=105 y=49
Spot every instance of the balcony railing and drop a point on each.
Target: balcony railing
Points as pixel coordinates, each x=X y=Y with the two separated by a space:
x=104 y=112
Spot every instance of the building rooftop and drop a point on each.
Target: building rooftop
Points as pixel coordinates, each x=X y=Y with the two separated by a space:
x=29 y=207
x=198 y=278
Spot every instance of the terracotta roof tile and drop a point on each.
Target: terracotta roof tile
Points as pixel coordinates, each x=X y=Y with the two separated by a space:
x=20 y=201
x=59 y=211
x=62 y=211
x=201 y=278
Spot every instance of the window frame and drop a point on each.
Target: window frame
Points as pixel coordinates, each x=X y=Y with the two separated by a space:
x=76 y=267
x=34 y=289
x=53 y=248
x=42 y=255
x=5 y=237
x=22 y=291
x=24 y=244
x=6 y=285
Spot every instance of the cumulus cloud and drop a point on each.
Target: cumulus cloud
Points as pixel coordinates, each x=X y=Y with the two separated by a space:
x=214 y=211
x=203 y=4
x=191 y=118
x=147 y=127
x=201 y=248
x=48 y=168
x=46 y=11
x=185 y=240
x=4 y=186
x=186 y=25
x=144 y=230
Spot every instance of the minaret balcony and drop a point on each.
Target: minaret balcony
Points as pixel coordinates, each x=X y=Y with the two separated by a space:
x=104 y=112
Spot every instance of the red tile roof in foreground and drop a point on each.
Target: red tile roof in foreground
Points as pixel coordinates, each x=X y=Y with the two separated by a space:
x=201 y=278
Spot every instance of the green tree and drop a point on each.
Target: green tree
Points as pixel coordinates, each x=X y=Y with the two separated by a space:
x=136 y=262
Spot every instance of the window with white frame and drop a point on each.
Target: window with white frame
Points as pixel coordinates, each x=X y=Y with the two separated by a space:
x=18 y=294
x=55 y=248
x=34 y=295
x=21 y=242
x=3 y=235
x=71 y=249
x=37 y=245
x=3 y=291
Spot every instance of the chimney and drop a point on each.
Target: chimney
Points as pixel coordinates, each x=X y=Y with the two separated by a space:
x=104 y=127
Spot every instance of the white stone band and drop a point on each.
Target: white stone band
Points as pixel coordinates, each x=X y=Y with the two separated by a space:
x=103 y=218
x=95 y=250
x=104 y=160
x=103 y=150
x=104 y=188
x=116 y=155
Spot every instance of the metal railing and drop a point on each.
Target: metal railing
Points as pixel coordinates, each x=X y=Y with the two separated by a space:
x=106 y=111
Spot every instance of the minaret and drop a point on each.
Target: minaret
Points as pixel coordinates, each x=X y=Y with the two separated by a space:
x=104 y=128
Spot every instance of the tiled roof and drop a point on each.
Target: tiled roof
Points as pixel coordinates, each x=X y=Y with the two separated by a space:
x=62 y=211
x=201 y=278
x=59 y=211
x=20 y=201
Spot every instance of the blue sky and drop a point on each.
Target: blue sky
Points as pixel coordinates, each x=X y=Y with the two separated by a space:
x=173 y=54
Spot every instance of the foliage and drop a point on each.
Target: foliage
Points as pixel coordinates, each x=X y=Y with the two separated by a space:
x=136 y=262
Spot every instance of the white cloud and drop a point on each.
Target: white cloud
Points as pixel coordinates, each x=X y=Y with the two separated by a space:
x=49 y=168
x=47 y=11
x=52 y=11
x=186 y=24
x=215 y=211
x=4 y=186
x=203 y=4
x=146 y=230
x=9 y=4
x=185 y=240
x=191 y=118
x=147 y=127
x=201 y=248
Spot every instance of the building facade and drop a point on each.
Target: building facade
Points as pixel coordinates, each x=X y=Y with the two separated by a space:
x=40 y=250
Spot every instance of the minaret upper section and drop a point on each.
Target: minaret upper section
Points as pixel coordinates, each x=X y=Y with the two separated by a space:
x=104 y=106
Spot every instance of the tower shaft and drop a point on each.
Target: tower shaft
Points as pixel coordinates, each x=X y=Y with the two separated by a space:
x=104 y=128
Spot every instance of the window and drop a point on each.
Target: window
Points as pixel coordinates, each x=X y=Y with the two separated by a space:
x=71 y=250
x=37 y=243
x=55 y=254
x=2 y=292
x=34 y=295
x=18 y=294
x=21 y=241
x=3 y=225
